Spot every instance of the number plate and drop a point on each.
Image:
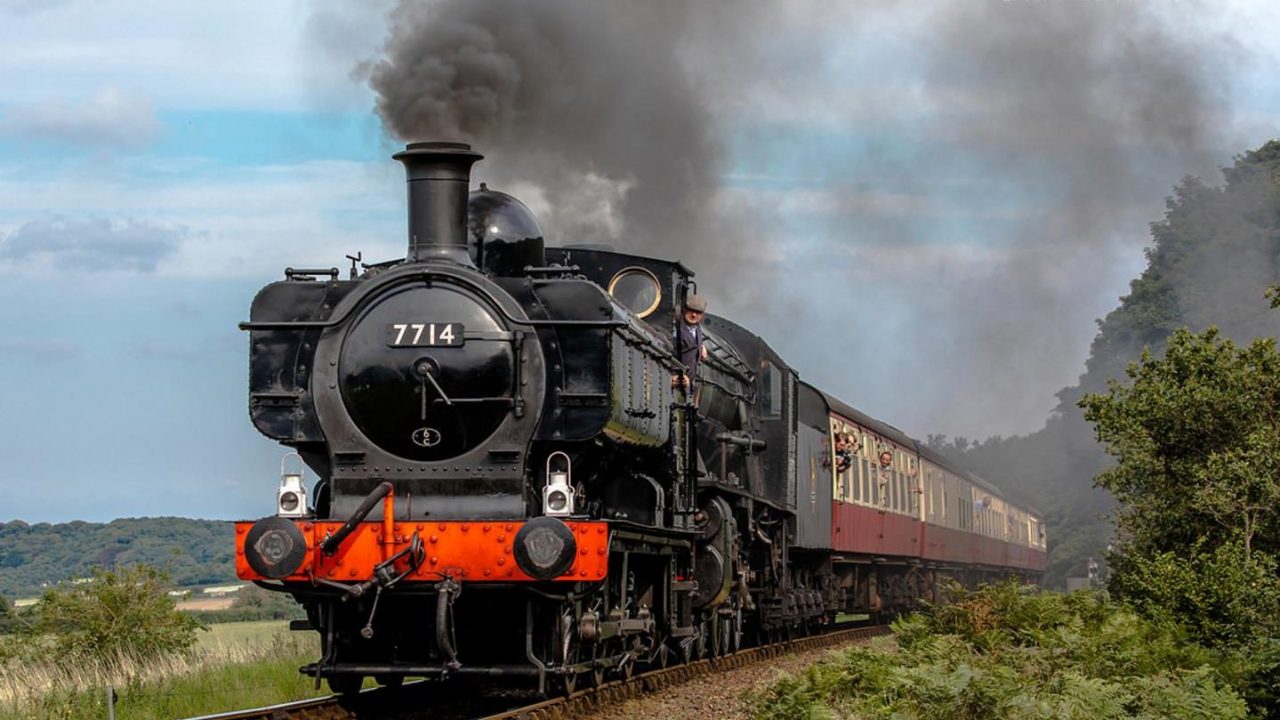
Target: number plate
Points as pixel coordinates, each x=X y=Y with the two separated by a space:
x=425 y=335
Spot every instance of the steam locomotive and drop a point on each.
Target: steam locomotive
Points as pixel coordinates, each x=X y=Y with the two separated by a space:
x=512 y=485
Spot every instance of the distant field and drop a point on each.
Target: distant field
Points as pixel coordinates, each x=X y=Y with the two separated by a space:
x=228 y=639
x=233 y=665
x=221 y=603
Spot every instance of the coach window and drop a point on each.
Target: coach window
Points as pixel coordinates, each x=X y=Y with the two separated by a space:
x=847 y=479
x=851 y=479
x=838 y=490
x=851 y=485
x=927 y=501
x=903 y=499
x=859 y=482
x=893 y=481
x=899 y=502
x=913 y=487
x=874 y=474
x=908 y=506
x=864 y=465
x=942 y=499
x=887 y=479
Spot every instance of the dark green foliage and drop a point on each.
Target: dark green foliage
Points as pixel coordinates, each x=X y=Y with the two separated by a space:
x=1225 y=597
x=192 y=552
x=115 y=617
x=1007 y=652
x=1196 y=437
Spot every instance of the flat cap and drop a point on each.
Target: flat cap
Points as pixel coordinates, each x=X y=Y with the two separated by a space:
x=696 y=303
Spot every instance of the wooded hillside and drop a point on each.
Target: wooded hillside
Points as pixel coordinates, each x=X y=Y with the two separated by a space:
x=193 y=552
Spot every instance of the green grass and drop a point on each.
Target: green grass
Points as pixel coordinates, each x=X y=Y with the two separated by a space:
x=229 y=637
x=852 y=617
x=234 y=665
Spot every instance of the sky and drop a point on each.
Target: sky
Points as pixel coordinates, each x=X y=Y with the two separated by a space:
x=924 y=207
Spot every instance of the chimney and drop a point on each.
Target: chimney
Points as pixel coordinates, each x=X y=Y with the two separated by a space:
x=439 y=176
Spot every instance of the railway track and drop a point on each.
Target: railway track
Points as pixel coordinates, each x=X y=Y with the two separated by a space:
x=414 y=700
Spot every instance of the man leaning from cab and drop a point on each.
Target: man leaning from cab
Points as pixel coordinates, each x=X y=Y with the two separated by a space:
x=689 y=346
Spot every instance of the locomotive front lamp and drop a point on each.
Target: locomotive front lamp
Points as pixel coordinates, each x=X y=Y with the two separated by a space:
x=275 y=547
x=545 y=548
x=291 y=496
x=558 y=494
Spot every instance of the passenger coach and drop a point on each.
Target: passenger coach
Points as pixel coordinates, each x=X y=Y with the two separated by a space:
x=898 y=517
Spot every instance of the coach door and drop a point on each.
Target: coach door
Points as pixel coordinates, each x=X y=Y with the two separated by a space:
x=813 y=472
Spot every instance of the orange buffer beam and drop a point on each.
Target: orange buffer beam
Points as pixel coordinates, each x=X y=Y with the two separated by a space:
x=472 y=551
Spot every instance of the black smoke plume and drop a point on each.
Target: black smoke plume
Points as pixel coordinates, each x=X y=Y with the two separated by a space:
x=1063 y=122
x=587 y=111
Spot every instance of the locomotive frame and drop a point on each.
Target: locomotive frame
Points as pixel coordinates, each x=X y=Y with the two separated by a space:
x=534 y=496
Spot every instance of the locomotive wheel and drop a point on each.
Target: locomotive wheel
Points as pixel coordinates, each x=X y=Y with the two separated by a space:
x=597 y=672
x=570 y=654
x=730 y=635
x=628 y=666
x=345 y=684
x=565 y=684
x=736 y=621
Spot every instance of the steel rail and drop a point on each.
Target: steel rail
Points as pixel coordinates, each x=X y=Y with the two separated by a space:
x=584 y=702
x=372 y=702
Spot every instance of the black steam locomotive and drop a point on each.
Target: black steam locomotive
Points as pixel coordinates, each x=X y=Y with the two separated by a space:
x=511 y=484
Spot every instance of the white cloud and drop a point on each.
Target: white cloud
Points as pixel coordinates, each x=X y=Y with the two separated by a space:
x=235 y=54
x=239 y=222
x=109 y=117
x=90 y=244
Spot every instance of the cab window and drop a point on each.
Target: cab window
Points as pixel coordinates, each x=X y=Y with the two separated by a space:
x=770 y=389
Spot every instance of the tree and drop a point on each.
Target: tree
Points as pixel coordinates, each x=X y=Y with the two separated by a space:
x=1197 y=439
x=125 y=614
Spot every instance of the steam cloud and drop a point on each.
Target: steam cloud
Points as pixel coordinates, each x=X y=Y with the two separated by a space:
x=1087 y=113
x=950 y=286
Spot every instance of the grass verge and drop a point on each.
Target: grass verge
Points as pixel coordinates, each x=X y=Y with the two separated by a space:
x=235 y=665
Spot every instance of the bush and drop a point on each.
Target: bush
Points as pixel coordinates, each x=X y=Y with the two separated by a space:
x=1225 y=597
x=115 y=616
x=1008 y=652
